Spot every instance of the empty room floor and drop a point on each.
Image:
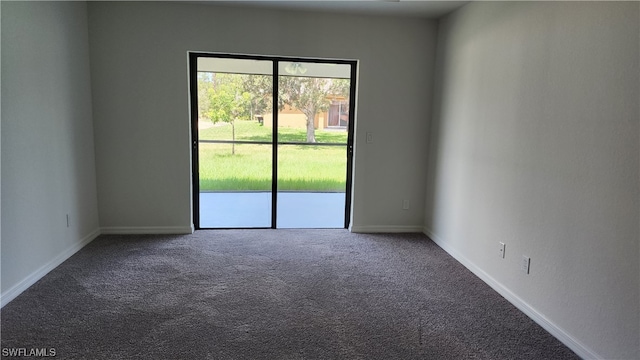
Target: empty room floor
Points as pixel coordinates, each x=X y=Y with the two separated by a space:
x=270 y=294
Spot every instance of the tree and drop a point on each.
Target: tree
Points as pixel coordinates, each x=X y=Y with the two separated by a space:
x=227 y=97
x=205 y=86
x=255 y=89
x=259 y=88
x=309 y=95
x=221 y=97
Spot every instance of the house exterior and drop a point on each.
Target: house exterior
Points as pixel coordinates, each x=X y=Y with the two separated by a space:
x=335 y=117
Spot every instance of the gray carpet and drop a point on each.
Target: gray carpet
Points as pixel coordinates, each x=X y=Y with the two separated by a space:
x=270 y=294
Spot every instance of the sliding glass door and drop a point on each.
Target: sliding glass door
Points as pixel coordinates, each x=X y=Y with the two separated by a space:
x=272 y=141
x=312 y=149
x=234 y=151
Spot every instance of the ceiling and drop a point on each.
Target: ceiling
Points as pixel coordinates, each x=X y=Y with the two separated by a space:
x=410 y=8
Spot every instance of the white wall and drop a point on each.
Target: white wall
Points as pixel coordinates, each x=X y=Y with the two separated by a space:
x=535 y=143
x=140 y=94
x=48 y=165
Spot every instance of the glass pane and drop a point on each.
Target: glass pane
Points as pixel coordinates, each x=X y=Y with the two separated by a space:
x=234 y=99
x=313 y=102
x=235 y=185
x=311 y=186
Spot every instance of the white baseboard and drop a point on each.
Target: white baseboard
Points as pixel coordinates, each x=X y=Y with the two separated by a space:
x=23 y=285
x=142 y=230
x=572 y=343
x=385 y=229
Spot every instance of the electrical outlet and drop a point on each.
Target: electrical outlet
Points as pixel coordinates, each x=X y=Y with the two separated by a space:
x=502 y=248
x=369 y=137
x=526 y=264
x=405 y=204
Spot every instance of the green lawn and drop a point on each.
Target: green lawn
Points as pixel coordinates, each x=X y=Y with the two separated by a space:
x=252 y=131
x=311 y=168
